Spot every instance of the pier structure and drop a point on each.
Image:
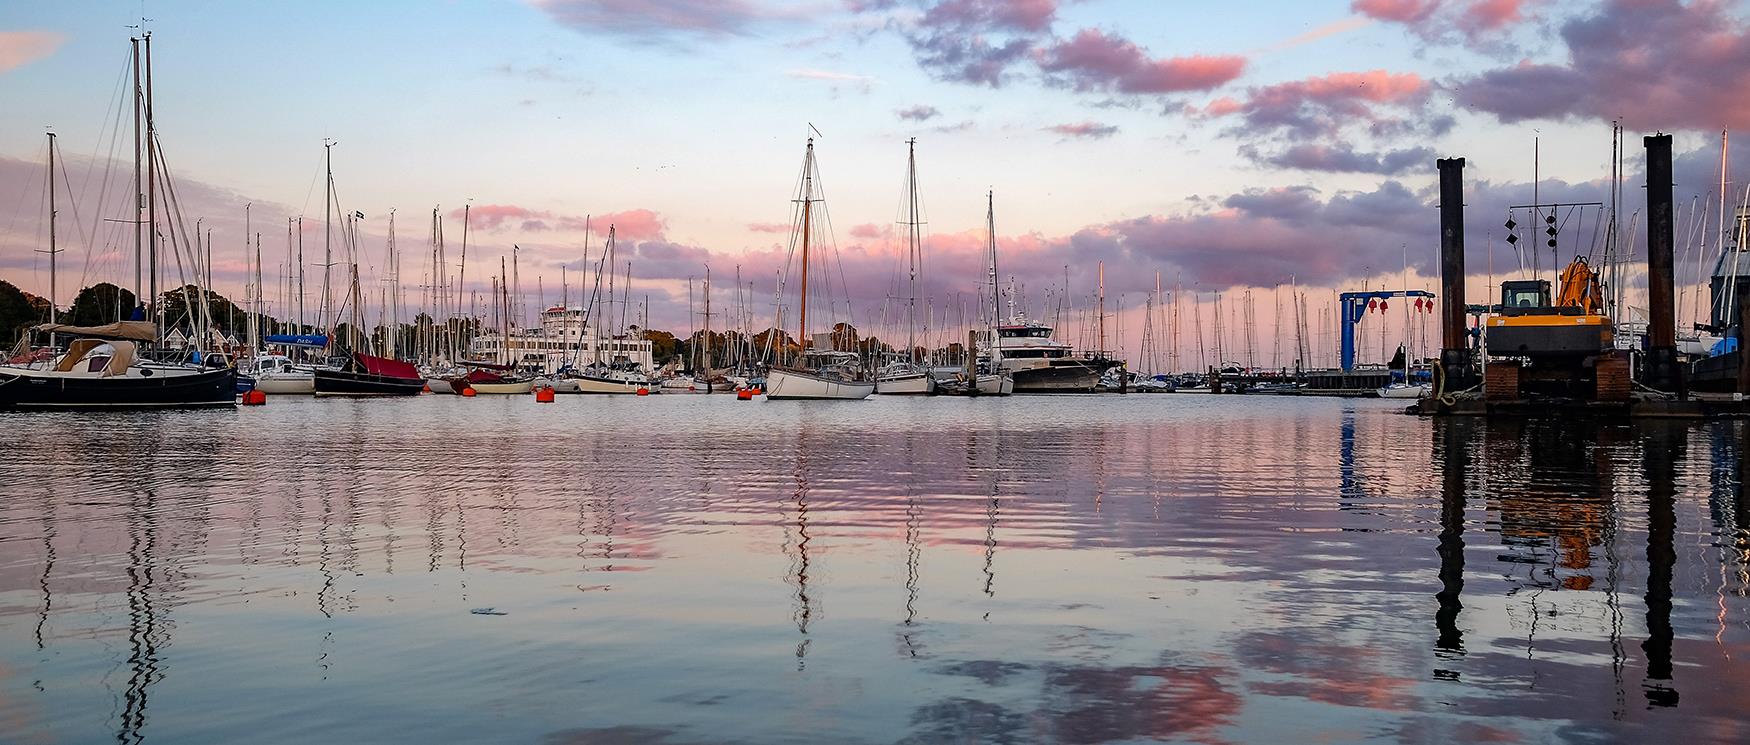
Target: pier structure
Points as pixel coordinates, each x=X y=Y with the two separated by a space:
x=1599 y=381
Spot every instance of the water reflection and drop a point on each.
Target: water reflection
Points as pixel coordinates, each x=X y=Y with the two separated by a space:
x=1171 y=569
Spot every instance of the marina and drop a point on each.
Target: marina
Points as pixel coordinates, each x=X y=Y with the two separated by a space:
x=1370 y=371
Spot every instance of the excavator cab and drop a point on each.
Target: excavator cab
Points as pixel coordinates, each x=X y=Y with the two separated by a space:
x=1525 y=297
x=1553 y=347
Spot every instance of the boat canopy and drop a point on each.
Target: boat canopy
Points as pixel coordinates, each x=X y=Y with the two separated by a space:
x=486 y=365
x=298 y=340
x=387 y=367
x=130 y=330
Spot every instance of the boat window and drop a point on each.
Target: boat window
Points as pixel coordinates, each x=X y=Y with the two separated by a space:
x=96 y=364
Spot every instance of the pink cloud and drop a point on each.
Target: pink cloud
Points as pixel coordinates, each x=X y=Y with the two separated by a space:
x=20 y=48
x=1400 y=11
x=1324 y=105
x=1653 y=64
x=865 y=231
x=1093 y=60
x=1085 y=130
x=768 y=227
x=637 y=224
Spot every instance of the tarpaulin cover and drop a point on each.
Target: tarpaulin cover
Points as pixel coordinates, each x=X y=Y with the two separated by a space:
x=298 y=340
x=387 y=367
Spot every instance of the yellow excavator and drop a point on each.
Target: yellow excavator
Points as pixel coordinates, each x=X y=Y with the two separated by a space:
x=1564 y=347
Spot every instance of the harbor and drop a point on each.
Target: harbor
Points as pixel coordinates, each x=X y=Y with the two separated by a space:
x=590 y=372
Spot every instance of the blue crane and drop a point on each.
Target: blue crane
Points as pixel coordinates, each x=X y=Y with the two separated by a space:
x=1351 y=306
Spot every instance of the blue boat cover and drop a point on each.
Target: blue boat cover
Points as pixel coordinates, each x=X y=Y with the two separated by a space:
x=1723 y=346
x=298 y=340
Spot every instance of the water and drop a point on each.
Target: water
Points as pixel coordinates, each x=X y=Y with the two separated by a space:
x=688 y=569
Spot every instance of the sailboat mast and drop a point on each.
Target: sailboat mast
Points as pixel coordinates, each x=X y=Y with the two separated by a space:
x=990 y=224
x=139 y=196
x=913 y=250
x=53 y=250
x=459 y=349
x=707 y=321
x=152 y=196
x=327 y=228
x=807 y=228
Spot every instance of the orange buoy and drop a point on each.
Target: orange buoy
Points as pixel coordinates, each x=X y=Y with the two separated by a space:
x=643 y=391
x=543 y=395
x=426 y=388
x=254 y=398
x=745 y=394
x=468 y=393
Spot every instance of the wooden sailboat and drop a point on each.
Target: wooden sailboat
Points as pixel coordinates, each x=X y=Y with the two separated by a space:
x=905 y=375
x=815 y=372
x=103 y=366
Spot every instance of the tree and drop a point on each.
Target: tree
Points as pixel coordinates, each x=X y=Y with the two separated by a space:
x=17 y=313
x=663 y=346
x=100 y=304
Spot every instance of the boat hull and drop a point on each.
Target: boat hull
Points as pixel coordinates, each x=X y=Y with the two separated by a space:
x=1063 y=377
x=1405 y=391
x=600 y=386
x=911 y=384
x=440 y=385
x=286 y=385
x=346 y=383
x=797 y=385
x=38 y=390
x=508 y=388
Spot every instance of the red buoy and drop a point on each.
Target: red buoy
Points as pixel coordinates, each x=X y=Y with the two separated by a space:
x=745 y=394
x=643 y=391
x=468 y=393
x=254 y=398
x=543 y=395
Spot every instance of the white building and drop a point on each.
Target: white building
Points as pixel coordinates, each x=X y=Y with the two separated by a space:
x=563 y=339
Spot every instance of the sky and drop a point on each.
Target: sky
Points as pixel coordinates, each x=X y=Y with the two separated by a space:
x=1223 y=146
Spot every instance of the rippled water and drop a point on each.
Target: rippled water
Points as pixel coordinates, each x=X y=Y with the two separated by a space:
x=689 y=569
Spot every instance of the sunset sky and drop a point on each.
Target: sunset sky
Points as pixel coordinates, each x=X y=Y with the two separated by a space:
x=1224 y=145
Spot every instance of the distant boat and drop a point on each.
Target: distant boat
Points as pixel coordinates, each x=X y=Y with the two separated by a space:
x=905 y=375
x=815 y=373
x=1406 y=390
x=369 y=375
x=984 y=374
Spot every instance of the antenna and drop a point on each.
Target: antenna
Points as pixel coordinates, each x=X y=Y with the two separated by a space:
x=816 y=132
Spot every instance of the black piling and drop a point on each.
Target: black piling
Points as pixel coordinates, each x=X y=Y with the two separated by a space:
x=1454 y=351
x=1662 y=370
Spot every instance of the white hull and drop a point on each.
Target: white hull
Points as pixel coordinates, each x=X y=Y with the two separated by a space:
x=791 y=384
x=1406 y=391
x=996 y=385
x=911 y=384
x=286 y=385
x=598 y=385
x=503 y=389
x=440 y=385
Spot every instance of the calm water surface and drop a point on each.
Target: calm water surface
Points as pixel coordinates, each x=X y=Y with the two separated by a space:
x=690 y=569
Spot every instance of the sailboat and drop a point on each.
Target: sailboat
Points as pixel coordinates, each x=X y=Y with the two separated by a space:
x=361 y=374
x=619 y=374
x=816 y=372
x=984 y=375
x=102 y=366
x=905 y=376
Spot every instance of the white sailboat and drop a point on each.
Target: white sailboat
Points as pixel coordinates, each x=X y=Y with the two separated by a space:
x=985 y=375
x=904 y=376
x=816 y=373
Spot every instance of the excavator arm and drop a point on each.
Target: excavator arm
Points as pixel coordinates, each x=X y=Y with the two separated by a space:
x=1580 y=288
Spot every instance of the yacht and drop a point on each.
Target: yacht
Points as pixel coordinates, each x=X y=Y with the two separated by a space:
x=1041 y=364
